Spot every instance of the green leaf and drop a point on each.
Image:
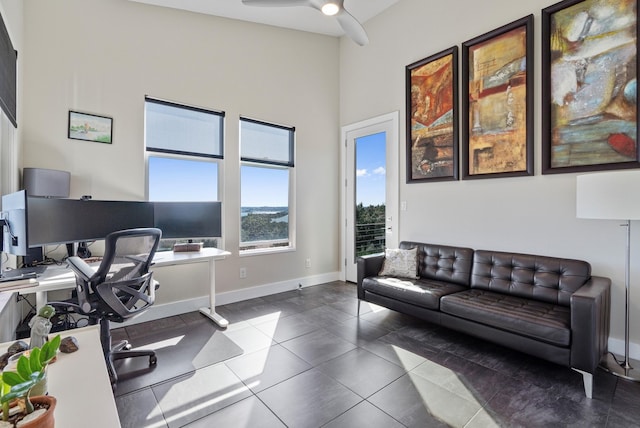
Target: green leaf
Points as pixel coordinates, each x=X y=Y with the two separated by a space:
x=34 y=360
x=12 y=378
x=49 y=350
x=18 y=391
x=37 y=377
x=24 y=368
x=21 y=390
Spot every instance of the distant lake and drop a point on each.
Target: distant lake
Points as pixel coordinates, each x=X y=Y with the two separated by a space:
x=244 y=211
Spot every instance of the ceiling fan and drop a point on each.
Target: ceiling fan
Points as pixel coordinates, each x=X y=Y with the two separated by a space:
x=348 y=22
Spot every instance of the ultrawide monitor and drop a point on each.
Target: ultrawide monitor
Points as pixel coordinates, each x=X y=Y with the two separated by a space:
x=61 y=221
x=188 y=219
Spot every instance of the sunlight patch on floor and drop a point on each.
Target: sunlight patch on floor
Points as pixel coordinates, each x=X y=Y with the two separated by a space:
x=161 y=344
x=203 y=404
x=444 y=394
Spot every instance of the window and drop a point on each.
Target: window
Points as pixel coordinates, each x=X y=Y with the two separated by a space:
x=184 y=153
x=184 y=146
x=175 y=178
x=266 y=177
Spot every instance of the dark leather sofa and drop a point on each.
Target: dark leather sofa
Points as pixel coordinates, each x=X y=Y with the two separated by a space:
x=548 y=307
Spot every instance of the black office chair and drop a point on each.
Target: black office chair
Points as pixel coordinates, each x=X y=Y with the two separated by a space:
x=121 y=288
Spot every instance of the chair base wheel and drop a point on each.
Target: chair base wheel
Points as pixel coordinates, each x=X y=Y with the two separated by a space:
x=153 y=360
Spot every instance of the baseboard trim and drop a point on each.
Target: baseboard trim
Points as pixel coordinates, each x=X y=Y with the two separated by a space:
x=273 y=288
x=190 y=305
x=617 y=347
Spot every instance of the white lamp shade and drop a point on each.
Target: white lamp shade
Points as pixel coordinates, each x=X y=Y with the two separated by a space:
x=609 y=195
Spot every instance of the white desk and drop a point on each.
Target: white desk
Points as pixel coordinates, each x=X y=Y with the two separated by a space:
x=62 y=278
x=80 y=383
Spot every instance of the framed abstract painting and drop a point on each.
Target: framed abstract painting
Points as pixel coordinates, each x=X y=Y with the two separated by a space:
x=589 y=86
x=497 y=97
x=432 y=117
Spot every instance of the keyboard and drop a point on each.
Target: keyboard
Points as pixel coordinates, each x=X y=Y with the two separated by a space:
x=15 y=278
x=22 y=273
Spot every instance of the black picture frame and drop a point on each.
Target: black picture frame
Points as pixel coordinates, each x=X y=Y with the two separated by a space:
x=90 y=127
x=588 y=120
x=432 y=139
x=498 y=75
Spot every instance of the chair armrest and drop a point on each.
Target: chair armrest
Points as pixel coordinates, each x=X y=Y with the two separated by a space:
x=590 y=314
x=368 y=266
x=80 y=268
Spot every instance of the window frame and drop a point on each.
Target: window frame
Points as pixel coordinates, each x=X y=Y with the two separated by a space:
x=263 y=246
x=187 y=155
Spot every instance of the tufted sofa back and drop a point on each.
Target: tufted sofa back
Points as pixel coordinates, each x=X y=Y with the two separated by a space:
x=547 y=279
x=442 y=263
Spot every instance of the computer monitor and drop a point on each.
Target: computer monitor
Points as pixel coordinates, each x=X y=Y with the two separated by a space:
x=61 y=221
x=14 y=232
x=188 y=219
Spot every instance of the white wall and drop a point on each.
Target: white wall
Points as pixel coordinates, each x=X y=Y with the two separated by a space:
x=528 y=214
x=104 y=56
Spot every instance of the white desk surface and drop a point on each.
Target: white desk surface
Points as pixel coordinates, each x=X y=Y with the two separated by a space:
x=80 y=383
x=61 y=277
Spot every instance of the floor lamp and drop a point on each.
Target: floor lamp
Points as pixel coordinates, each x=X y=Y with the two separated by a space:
x=613 y=196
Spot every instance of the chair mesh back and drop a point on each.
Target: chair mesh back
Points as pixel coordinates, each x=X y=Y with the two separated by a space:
x=132 y=256
x=128 y=286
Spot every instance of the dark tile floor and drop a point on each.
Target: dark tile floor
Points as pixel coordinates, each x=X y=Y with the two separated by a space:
x=309 y=361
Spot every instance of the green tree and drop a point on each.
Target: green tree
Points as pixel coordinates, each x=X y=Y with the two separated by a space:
x=262 y=227
x=370 y=222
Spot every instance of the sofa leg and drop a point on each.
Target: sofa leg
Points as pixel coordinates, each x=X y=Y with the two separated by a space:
x=587 y=379
x=358 y=312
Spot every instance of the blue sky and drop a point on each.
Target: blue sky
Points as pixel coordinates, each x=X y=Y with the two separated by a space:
x=370 y=169
x=187 y=180
x=182 y=180
x=264 y=187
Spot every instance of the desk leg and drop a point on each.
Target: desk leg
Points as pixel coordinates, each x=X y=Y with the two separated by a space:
x=210 y=312
x=41 y=299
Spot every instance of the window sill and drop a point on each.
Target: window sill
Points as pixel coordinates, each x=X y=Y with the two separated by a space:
x=261 y=251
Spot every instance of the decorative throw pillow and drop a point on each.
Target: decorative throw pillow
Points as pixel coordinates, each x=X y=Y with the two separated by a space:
x=401 y=263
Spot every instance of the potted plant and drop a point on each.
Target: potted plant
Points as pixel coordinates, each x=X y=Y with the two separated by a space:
x=30 y=371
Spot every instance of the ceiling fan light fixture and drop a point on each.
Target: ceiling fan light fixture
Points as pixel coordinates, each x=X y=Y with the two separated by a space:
x=330 y=8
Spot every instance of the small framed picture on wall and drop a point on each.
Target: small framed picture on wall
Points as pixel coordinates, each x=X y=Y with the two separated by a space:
x=90 y=127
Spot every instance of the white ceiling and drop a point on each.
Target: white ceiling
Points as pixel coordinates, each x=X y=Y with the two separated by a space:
x=297 y=18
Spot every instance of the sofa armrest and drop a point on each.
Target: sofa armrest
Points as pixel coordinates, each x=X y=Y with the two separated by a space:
x=368 y=266
x=590 y=314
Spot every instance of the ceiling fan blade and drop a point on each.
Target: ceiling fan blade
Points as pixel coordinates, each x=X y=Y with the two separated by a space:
x=277 y=2
x=352 y=27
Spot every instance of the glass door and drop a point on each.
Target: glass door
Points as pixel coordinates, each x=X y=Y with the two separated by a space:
x=371 y=189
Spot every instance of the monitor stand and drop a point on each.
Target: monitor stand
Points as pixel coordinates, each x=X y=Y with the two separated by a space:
x=82 y=250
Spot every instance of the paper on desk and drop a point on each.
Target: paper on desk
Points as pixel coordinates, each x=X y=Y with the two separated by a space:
x=17 y=284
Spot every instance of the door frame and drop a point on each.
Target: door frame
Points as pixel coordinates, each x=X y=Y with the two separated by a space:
x=393 y=180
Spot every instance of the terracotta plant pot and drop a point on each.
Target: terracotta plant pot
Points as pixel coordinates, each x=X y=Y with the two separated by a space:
x=46 y=420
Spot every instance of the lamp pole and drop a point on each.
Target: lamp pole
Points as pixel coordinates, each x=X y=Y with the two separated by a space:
x=612 y=365
x=627 y=282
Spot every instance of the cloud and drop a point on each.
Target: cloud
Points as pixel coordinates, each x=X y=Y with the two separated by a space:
x=380 y=171
x=361 y=173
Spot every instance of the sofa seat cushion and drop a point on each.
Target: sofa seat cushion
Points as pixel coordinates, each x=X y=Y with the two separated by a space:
x=419 y=292
x=541 y=321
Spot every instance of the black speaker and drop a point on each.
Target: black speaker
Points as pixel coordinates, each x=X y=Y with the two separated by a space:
x=34 y=256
